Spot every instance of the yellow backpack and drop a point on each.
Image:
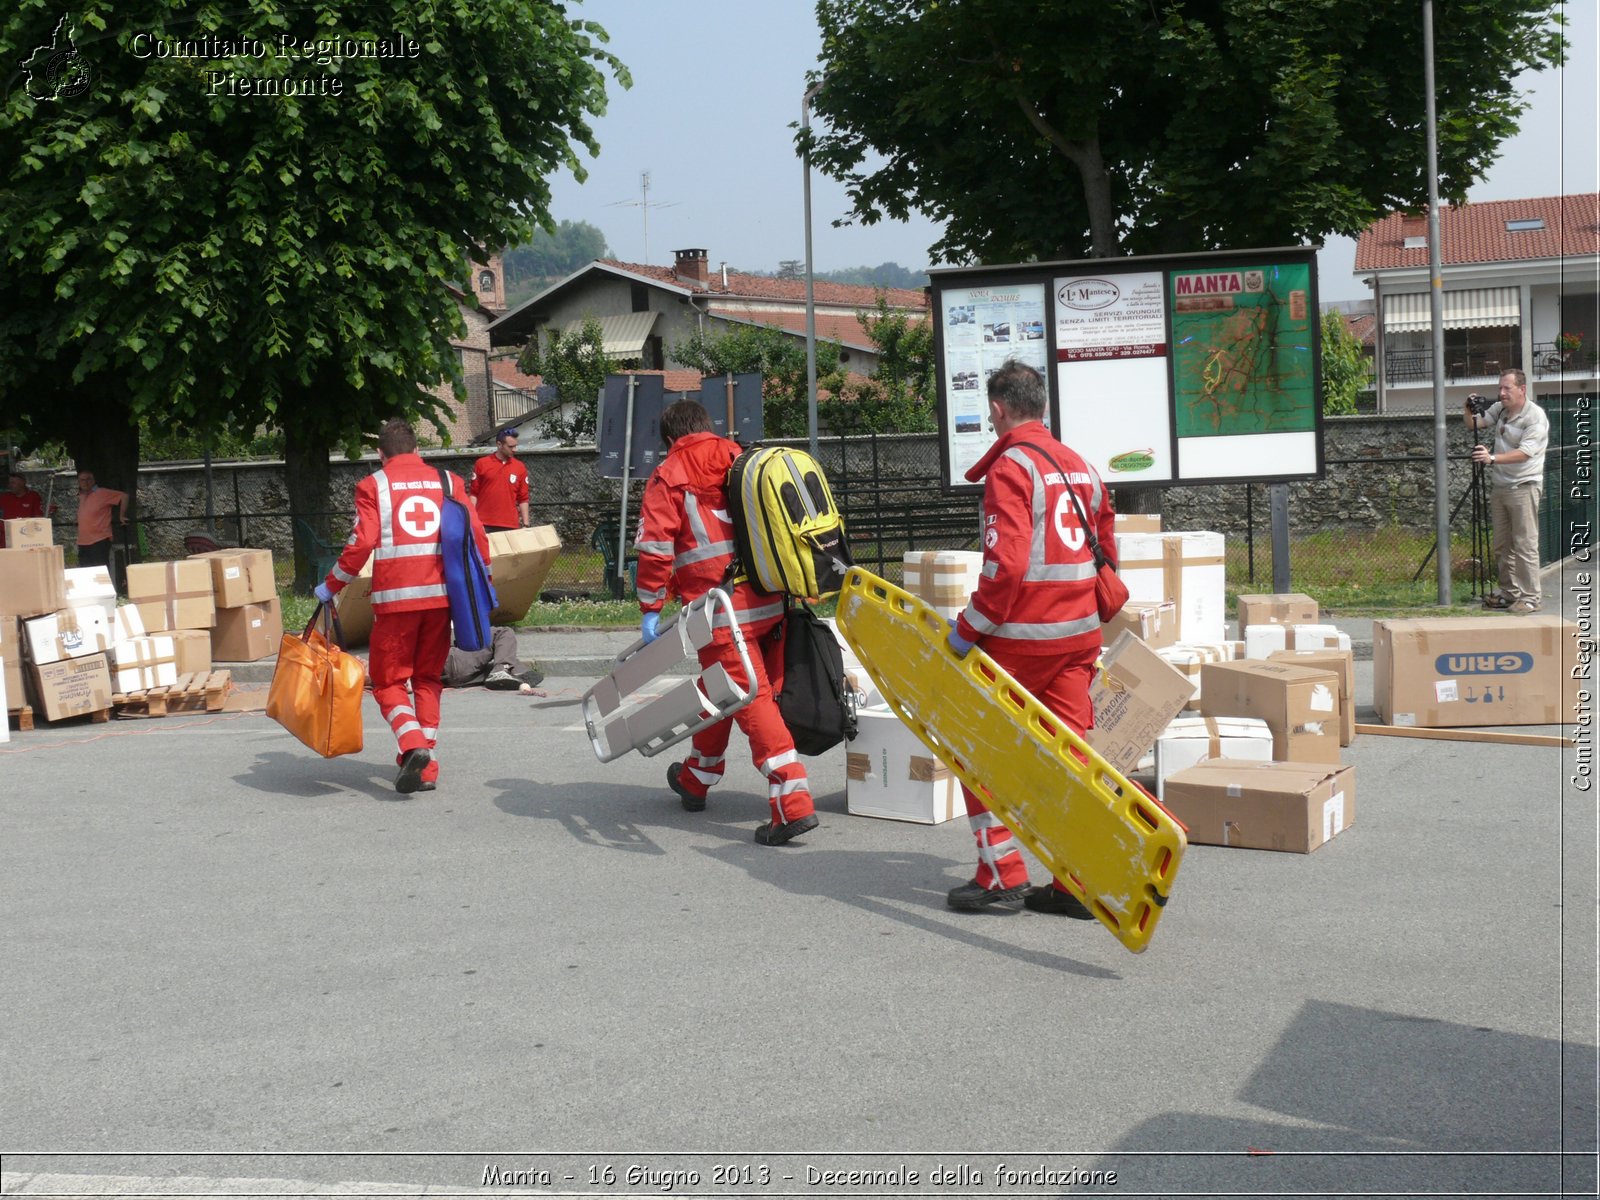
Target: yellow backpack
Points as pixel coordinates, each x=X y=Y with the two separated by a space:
x=787 y=532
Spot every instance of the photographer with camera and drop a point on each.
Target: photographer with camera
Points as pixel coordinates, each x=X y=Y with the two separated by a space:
x=1515 y=463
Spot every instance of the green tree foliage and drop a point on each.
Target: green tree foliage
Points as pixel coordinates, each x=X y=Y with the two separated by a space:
x=1125 y=126
x=550 y=256
x=574 y=364
x=899 y=396
x=181 y=247
x=1344 y=366
x=781 y=360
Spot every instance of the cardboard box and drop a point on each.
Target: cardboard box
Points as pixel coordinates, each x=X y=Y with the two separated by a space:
x=91 y=587
x=945 y=579
x=1263 y=641
x=248 y=632
x=1263 y=805
x=173 y=595
x=32 y=581
x=28 y=531
x=1279 y=608
x=1317 y=637
x=191 y=650
x=889 y=773
x=1135 y=695
x=144 y=663
x=1188 y=658
x=519 y=559
x=1451 y=672
x=70 y=633
x=355 y=606
x=5 y=701
x=73 y=687
x=1185 y=568
x=11 y=655
x=1191 y=740
x=126 y=624
x=1300 y=704
x=1343 y=664
x=1137 y=523
x=1153 y=622
x=240 y=576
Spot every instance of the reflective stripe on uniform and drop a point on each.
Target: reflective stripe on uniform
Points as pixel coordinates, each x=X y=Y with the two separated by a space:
x=425 y=592
x=415 y=550
x=778 y=760
x=697 y=527
x=1046 y=631
x=1039 y=568
x=651 y=597
x=342 y=575
x=701 y=553
x=659 y=549
x=748 y=616
x=385 y=509
x=409 y=727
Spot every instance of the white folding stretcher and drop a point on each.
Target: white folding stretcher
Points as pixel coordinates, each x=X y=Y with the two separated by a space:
x=650 y=725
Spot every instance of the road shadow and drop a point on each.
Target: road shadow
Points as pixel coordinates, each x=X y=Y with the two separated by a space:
x=613 y=820
x=280 y=773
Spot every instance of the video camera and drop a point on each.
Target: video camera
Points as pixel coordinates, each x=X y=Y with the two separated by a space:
x=1479 y=404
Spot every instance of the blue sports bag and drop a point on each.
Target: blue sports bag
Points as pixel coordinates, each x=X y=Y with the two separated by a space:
x=466 y=575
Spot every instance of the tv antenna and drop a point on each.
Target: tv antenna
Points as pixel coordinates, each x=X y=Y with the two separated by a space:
x=644 y=204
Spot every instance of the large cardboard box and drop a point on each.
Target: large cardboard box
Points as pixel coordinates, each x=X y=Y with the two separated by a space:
x=73 y=687
x=126 y=624
x=1188 y=658
x=70 y=633
x=1448 y=672
x=143 y=663
x=945 y=579
x=1263 y=805
x=1190 y=740
x=1135 y=695
x=1300 y=704
x=1137 y=523
x=1186 y=568
x=1317 y=637
x=28 y=531
x=90 y=587
x=1153 y=622
x=191 y=649
x=520 y=559
x=889 y=773
x=240 y=576
x=248 y=632
x=173 y=595
x=1276 y=608
x=11 y=653
x=1265 y=640
x=1341 y=662
x=32 y=581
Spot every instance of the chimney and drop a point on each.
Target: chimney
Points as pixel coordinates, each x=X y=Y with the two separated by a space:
x=690 y=265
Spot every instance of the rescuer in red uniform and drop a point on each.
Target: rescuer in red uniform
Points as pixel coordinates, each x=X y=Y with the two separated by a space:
x=397 y=525
x=685 y=543
x=1034 y=610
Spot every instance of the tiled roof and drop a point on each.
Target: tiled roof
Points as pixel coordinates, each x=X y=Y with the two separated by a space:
x=1364 y=326
x=674 y=379
x=763 y=287
x=831 y=327
x=504 y=370
x=1476 y=233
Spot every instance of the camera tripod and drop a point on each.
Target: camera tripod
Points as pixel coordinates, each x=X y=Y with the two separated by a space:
x=1479 y=526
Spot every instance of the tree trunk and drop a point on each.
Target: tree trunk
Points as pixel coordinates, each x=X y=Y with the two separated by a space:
x=307 y=473
x=104 y=439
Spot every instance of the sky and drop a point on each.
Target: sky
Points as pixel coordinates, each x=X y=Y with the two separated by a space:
x=717 y=83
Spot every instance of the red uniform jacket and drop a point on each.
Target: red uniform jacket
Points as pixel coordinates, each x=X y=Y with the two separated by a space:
x=397 y=525
x=1036 y=593
x=685 y=532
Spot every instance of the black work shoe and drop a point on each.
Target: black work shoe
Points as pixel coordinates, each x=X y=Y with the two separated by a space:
x=411 y=768
x=1048 y=899
x=972 y=896
x=691 y=802
x=502 y=680
x=773 y=834
x=533 y=677
x=427 y=785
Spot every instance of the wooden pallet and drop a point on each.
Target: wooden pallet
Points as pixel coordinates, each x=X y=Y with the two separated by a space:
x=198 y=692
x=21 y=718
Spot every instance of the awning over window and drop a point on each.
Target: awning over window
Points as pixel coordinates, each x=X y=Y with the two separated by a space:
x=624 y=335
x=1472 y=308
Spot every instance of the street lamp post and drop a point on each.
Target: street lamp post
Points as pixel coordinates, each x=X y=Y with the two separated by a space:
x=811 y=300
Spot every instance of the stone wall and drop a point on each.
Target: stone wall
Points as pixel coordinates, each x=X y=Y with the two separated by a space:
x=1362 y=489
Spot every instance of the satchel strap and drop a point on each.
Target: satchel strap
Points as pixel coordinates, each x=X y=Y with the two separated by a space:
x=1100 y=560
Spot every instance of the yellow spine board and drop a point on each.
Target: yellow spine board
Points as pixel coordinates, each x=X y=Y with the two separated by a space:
x=1102 y=837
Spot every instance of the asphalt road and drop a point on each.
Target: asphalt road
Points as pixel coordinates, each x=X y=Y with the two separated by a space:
x=220 y=950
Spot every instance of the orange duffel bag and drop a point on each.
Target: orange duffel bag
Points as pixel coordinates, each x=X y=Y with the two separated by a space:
x=316 y=688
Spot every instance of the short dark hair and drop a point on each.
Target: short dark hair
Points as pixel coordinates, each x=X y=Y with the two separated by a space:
x=397 y=437
x=683 y=417
x=1518 y=377
x=508 y=431
x=1019 y=389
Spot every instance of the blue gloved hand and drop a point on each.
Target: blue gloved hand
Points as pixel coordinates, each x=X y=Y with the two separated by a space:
x=958 y=643
x=322 y=593
x=648 y=627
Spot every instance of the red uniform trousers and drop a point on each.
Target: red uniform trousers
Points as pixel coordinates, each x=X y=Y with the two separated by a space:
x=771 y=744
x=407 y=659
x=1062 y=686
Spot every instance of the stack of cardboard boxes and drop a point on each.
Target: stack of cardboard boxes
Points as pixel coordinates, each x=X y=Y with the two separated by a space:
x=249 y=623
